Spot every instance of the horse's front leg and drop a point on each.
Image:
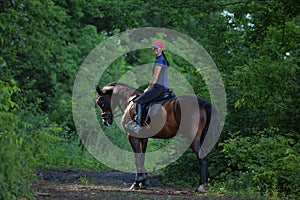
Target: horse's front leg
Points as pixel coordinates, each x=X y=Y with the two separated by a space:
x=141 y=175
x=139 y=146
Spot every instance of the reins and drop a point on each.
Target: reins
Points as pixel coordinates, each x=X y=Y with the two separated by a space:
x=118 y=115
x=120 y=109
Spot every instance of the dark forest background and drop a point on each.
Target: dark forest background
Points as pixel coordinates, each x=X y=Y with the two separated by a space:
x=255 y=44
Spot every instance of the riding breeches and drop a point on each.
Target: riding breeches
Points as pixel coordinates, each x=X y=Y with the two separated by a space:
x=150 y=95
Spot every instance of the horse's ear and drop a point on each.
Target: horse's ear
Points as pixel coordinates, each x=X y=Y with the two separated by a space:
x=98 y=89
x=108 y=89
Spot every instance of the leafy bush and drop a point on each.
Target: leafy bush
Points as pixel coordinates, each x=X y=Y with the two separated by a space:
x=13 y=165
x=259 y=165
x=269 y=165
x=28 y=141
x=186 y=167
x=13 y=181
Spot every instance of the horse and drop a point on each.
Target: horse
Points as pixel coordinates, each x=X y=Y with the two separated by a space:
x=193 y=124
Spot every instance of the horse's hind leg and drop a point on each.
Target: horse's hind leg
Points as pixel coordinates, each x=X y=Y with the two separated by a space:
x=203 y=171
x=196 y=145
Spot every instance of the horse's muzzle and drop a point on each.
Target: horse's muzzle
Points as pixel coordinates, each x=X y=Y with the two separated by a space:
x=106 y=118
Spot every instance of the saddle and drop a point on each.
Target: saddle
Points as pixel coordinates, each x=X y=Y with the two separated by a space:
x=152 y=108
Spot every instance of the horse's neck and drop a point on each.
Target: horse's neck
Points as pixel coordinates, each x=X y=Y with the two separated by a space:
x=124 y=94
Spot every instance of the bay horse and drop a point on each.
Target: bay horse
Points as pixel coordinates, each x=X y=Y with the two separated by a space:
x=193 y=124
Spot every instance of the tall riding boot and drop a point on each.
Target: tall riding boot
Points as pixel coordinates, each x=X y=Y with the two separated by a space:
x=136 y=126
x=139 y=113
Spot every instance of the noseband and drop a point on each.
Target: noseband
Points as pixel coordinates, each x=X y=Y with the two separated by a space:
x=106 y=115
x=101 y=103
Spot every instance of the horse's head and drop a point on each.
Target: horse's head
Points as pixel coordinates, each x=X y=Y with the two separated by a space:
x=103 y=100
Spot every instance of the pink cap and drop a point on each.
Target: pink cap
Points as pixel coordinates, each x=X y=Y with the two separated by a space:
x=158 y=44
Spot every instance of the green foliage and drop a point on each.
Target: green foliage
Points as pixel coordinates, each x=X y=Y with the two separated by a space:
x=255 y=45
x=256 y=166
x=12 y=169
x=13 y=175
x=28 y=142
x=48 y=47
x=39 y=53
x=6 y=102
x=187 y=168
x=266 y=164
x=268 y=85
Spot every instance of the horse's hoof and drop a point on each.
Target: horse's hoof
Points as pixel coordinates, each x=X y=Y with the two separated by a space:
x=142 y=185
x=135 y=186
x=201 y=189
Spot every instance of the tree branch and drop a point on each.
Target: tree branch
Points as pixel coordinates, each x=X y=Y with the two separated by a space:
x=233 y=3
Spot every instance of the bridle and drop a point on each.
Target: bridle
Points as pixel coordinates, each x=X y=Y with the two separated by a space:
x=106 y=109
x=106 y=113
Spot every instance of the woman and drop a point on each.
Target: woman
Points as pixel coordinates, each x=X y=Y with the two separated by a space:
x=158 y=85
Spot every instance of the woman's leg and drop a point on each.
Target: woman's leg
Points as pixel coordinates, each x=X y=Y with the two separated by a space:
x=145 y=98
x=150 y=95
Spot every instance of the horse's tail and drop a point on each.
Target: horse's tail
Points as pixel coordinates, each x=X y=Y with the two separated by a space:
x=211 y=129
x=208 y=111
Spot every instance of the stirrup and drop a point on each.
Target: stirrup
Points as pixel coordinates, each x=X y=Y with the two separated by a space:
x=130 y=123
x=133 y=126
x=146 y=124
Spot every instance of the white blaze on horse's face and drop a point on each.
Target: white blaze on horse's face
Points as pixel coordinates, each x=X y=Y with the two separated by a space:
x=106 y=114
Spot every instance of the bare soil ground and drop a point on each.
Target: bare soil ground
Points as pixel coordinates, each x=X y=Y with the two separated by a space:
x=92 y=185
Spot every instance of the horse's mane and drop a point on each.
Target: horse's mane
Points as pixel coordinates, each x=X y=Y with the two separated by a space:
x=114 y=84
x=121 y=84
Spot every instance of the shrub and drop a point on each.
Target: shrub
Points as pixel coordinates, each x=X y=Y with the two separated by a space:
x=14 y=170
x=269 y=165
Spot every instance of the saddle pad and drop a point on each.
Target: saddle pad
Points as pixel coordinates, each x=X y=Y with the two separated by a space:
x=154 y=109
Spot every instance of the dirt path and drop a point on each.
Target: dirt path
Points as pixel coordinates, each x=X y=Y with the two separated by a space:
x=91 y=185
